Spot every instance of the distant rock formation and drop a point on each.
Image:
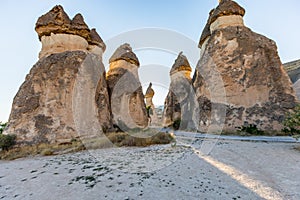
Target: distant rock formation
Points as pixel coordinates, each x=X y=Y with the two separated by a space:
x=150 y=105
x=179 y=104
x=257 y=90
x=293 y=70
x=125 y=90
x=65 y=94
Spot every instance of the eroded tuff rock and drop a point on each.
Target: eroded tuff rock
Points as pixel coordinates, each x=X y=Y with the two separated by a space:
x=240 y=78
x=179 y=103
x=58 y=33
x=65 y=94
x=150 y=105
x=125 y=90
x=60 y=93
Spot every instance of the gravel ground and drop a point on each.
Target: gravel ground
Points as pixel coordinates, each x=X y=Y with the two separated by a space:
x=232 y=170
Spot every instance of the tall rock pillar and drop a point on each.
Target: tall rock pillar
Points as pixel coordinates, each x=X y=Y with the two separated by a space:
x=125 y=90
x=65 y=94
x=256 y=88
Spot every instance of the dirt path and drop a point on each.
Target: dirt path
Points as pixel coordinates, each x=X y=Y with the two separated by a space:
x=232 y=170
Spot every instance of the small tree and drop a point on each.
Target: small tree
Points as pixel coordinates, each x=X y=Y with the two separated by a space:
x=7 y=141
x=2 y=127
x=292 y=122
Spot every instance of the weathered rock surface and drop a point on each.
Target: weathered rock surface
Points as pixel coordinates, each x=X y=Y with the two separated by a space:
x=125 y=90
x=43 y=110
x=179 y=103
x=58 y=33
x=65 y=94
x=240 y=73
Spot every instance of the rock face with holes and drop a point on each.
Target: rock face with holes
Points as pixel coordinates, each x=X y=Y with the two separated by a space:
x=240 y=78
x=179 y=104
x=65 y=94
x=125 y=90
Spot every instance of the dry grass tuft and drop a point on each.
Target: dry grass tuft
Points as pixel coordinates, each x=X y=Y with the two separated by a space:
x=139 y=139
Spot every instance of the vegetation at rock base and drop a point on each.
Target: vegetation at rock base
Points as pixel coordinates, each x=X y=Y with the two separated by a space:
x=7 y=141
x=292 y=123
x=140 y=139
x=251 y=129
x=136 y=138
x=176 y=124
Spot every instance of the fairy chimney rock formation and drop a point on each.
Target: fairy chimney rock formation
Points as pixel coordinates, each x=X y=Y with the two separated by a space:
x=240 y=70
x=150 y=105
x=177 y=105
x=125 y=90
x=58 y=33
x=149 y=95
x=65 y=94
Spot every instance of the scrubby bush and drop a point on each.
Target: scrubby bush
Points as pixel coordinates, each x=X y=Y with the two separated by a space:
x=292 y=122
x=125 y=139
x=250 y=129
x=7 y=141
x=2 y=127
x=176 y=124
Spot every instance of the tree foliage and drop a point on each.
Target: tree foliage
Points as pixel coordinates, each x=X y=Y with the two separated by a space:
x=292 y=122
x=2 y=127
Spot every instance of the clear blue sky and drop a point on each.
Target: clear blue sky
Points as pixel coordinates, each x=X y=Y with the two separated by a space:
x=278 y=20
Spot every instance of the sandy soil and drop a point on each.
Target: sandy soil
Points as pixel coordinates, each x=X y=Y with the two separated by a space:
x=232 y=170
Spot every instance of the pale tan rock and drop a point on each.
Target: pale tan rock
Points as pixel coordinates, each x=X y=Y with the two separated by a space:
x=125 y=90
x=225 y=21
x=58 y=43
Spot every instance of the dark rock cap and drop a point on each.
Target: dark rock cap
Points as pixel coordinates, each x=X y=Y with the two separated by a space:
x=95 y=39
x=206 y=31
x=149 y=92
x=225 y=8
x=181 y=64
x=124 y=52
x=55 y=21
x=79 y=24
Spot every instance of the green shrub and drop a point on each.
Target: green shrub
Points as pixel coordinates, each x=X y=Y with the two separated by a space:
x=292 y=122
x=7 y=141
x=2 y=127
x=250 y=129
x=176 y=124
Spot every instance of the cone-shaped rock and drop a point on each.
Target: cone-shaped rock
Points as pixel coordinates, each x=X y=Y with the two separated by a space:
x=95 y=39
x=55 y=21
x=79 y=27
x=240 y=79
x=64 y=95
x=125 y=90
x=178 y=103
x=124 y=52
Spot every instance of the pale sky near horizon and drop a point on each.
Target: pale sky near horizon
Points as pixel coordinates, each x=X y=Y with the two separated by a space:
x=20 y=46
